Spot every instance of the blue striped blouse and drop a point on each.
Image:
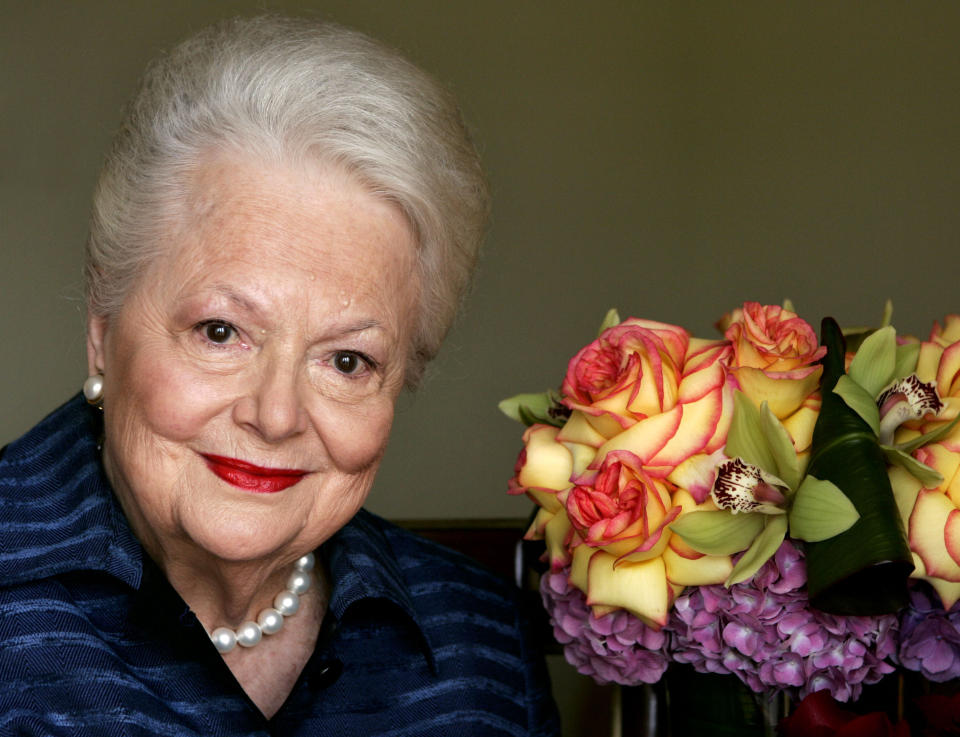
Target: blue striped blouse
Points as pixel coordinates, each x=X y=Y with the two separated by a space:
x=418 y=640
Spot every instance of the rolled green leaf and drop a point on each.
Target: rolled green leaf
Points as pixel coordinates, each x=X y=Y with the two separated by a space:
x=863 y=570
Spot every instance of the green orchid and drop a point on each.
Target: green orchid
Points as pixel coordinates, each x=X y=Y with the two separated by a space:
x=882 y=389
x=763 y=495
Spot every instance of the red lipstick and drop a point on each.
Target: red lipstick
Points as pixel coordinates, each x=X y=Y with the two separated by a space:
x=249 y=477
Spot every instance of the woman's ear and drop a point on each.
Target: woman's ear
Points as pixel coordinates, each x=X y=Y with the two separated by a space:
x=96 y=343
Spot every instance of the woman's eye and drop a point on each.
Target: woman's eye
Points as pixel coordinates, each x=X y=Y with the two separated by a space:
x=348 y=362
x=219 y=332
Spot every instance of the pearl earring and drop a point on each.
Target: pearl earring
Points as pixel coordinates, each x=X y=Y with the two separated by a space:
x=93 y=389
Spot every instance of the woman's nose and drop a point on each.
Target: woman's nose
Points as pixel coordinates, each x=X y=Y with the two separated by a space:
x=273 y=407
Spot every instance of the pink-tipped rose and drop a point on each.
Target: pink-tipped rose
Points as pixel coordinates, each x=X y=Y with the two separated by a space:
x=626 y=556
x=684 y=443
x=630 y=372
x=932 y=515
x=543 y=472
x=774 y=353
x=939 y=362
x=622 y=510
x=621 y=514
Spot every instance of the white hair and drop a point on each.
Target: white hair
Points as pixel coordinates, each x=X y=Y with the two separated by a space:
x=289 y=90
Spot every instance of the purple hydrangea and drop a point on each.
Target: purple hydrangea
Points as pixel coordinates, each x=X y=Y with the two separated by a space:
x=764 y=631
x=615 y=648
x=930 y=636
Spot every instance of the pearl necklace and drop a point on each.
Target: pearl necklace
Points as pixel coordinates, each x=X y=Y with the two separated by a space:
x=270 y=620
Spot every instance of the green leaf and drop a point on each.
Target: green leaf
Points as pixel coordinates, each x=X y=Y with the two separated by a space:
x=860 y=401
x=763 y=548
x=788 y=305
x=718 y=533
x=820 y=510
x=906 y=361
x=745 y=438
x=781 y=447
x=854 y=336
x=873 y=366
x=533 y=408
x=527 y=416
x=929 y=477
x=930 y=437
x=610 y=319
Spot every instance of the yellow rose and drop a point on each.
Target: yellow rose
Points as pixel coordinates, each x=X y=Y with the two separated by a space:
x=774 y=356
x=543 y=472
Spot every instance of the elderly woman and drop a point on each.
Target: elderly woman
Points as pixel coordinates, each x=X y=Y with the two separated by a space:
x=280 y=235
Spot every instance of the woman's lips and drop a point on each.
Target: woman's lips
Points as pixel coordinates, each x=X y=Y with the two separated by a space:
x=249 y=477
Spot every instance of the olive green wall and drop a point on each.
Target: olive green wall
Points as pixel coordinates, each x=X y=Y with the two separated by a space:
x=669 y=158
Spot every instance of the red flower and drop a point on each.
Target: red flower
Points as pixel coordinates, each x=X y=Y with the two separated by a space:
x=819 y=715
x=942 y=714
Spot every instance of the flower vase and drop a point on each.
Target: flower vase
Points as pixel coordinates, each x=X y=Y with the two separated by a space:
x=642 y=711
x=686 y=702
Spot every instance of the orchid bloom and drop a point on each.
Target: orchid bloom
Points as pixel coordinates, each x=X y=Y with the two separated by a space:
x=906 y=399
x=743 y=487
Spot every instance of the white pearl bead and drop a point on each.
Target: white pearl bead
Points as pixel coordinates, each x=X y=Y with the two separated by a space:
x=93 y=388
x=270 y=621
x=224 y=639
x=249 y=634
x=305 y=563
x=287 y=603
x=299 y=582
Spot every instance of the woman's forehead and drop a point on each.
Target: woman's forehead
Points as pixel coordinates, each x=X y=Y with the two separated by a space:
x=271 y=234
x=240 y=205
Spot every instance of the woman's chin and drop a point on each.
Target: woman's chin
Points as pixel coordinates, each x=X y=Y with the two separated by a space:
x=243 y=538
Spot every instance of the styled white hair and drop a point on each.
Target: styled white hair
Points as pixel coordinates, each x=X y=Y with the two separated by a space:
x=292 y=90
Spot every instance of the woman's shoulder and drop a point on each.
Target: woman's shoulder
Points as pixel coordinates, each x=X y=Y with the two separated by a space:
x=467 y=612
x=454 y=600
x=479 y=629
x=49 y=462
x=57 y=514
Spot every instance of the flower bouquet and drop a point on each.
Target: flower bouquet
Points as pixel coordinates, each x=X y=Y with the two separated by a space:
x=767 y=505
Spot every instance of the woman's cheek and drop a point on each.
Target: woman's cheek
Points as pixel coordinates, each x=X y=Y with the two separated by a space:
x=355 y=438
x=178 y=402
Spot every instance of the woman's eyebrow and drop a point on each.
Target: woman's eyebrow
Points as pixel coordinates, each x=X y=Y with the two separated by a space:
x=240 y=299
x=251 y=305
x=359 y=327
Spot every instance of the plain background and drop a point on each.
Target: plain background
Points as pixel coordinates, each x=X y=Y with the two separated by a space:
x=670 y=159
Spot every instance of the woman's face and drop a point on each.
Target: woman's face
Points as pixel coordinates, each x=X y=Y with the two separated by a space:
x=251 y=375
